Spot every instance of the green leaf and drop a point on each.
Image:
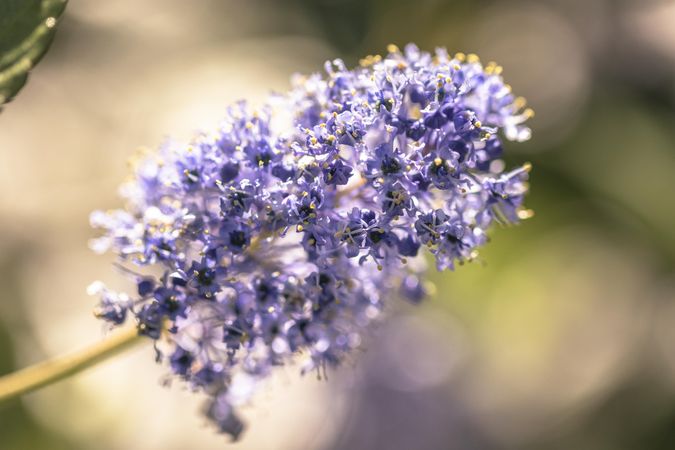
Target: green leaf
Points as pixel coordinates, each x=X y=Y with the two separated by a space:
x=26 y=30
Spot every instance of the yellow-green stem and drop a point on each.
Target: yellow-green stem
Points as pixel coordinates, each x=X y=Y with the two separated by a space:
x=48 y=372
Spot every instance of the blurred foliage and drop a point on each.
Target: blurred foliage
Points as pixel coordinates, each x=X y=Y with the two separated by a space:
x=344 y=23
x=26 y=30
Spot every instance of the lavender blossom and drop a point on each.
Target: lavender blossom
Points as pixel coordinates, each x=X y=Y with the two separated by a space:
x=279 y=235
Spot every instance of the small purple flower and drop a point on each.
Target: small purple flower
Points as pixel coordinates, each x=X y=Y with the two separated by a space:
x=203 y=277
x=429 y=226
x=171 y=301
x=181 y=361
x=337 y=173
x=221 y=412
x=150 y=318
x=112 y=307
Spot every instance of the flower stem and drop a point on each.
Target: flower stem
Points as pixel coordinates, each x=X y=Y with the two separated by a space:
x=51 y=371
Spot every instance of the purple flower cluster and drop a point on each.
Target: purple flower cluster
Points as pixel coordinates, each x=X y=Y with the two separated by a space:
x=281 y=233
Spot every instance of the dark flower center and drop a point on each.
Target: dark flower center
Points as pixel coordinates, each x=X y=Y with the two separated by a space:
x=390 y=165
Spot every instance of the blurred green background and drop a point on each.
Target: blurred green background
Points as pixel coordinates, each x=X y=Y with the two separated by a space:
x=562 y=338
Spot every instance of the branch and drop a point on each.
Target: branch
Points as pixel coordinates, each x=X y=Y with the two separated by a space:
x=48 y=372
